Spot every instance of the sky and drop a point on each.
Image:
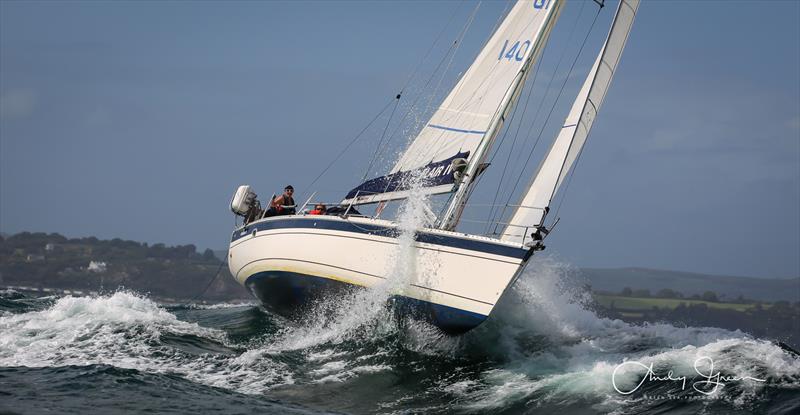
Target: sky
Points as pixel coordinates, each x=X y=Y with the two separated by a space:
x=138 y=120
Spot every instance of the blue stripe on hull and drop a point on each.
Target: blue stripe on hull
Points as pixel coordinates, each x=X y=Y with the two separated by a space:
x=290 y=294
x=295 y=222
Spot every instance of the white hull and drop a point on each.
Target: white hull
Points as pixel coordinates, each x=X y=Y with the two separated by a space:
x=453 y=272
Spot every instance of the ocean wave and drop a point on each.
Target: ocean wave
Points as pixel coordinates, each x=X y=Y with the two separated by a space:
x=556 y=350
x=129 y=331
x=543 y=348
x=217 y=306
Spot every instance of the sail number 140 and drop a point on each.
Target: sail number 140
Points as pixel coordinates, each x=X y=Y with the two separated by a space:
x=516 y=52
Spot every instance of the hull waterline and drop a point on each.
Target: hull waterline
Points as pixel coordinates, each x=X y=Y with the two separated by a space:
x=290 y=263
x=291 y=295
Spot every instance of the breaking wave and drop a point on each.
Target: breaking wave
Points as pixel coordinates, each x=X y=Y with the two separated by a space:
x=542 y=349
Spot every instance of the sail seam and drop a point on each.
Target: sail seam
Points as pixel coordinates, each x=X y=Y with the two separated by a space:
x=459 y=130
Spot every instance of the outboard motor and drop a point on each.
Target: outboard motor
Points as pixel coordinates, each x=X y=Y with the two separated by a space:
x=244 y=203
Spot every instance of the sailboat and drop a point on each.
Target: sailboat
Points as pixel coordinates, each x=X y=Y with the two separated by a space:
x=460 y=277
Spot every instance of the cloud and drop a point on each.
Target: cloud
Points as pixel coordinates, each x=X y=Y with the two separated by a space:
x=17 y=103
x=741 y=131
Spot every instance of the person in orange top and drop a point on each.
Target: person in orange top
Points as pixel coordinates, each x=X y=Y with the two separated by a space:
x=319 y=209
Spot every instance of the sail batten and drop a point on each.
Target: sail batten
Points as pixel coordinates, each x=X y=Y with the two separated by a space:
x=466 y=119
x=567 y=146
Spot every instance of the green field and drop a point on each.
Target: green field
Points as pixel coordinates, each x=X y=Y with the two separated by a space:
x=643 y=303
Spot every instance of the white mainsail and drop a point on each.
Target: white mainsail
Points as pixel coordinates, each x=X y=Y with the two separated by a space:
x=466 y=118
x=567 y=146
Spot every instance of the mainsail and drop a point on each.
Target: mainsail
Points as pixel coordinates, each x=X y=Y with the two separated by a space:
x=465 y=123
x=567 y=146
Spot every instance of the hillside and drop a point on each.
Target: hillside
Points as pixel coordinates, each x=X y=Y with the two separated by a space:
x=687 y=283
x=54 y=261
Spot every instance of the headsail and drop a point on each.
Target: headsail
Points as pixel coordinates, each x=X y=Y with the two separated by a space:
x=465 y=118
x=567 y=146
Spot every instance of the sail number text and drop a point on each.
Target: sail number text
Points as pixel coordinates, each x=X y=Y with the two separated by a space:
x=517 y=51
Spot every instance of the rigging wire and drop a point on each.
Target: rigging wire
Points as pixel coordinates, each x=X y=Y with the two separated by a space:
x=571 y=173
x=469 y=101
x=383 y=134
x=569 y=181
x=505 y=131
x=452 y=51
x=495 y=210
x=414 y=103
x=395 y=99
x=344 y=150
x=457 y=44
x=513 y=143
x=378 y=148
x=216 y=275
x=499 y=144
x=430 y=49
x=500 y=19
x=550 y=112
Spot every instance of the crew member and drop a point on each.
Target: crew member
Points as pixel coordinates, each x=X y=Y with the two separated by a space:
x=283 y=204
x=319 y=209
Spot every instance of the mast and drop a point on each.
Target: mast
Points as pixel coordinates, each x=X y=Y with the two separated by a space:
x=464 y=187
x=532 y=209
x=454 y=139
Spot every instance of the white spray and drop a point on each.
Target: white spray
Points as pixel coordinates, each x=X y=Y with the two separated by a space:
x=364 y=312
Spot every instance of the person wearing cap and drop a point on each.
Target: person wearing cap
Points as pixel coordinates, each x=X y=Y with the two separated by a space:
x=283 y=204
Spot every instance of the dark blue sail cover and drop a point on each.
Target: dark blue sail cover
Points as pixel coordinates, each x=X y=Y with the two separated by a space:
x=434 y=174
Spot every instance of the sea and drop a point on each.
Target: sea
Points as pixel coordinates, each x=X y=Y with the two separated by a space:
x=543 y=350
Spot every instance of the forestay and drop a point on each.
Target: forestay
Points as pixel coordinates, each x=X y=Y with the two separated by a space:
x=460 y=124
x=567 y=146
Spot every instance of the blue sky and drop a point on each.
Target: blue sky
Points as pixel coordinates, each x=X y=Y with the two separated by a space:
x=139 y=119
